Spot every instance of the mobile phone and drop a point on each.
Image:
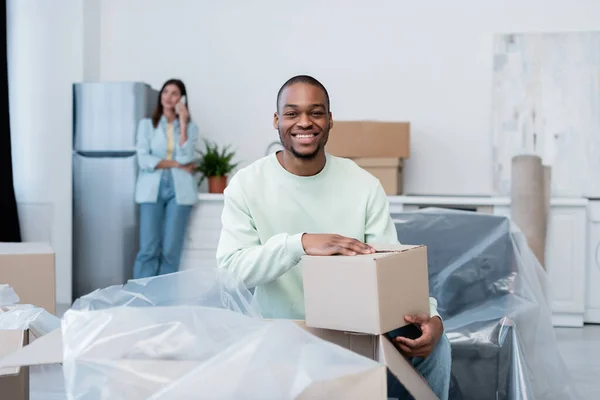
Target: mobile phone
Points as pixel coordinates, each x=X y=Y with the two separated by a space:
x=183 y=100
x=410 y=331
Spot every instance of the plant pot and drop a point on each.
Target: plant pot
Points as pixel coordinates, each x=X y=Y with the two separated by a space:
x=217 y=184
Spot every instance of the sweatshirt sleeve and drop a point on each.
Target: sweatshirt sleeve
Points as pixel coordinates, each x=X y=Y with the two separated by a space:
x=240 y=249
x=433 y=312
x=380 y=228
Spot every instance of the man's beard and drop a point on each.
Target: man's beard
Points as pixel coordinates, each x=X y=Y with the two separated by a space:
x=309 y=156
x=301 y=156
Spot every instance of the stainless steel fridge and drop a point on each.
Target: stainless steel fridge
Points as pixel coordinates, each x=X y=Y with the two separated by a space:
x=105 y=216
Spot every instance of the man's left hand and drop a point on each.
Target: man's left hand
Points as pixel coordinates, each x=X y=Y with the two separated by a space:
x=432 y=330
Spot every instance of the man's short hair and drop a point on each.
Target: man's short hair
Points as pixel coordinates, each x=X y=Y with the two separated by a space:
x=308 y=80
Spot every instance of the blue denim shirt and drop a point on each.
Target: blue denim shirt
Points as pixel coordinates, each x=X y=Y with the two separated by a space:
x=151 y=149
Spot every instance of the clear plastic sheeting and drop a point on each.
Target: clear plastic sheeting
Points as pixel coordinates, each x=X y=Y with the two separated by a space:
x=7 y=295
x=207 y=287
x=191 y=352
x=46 y=381
x=493 y=297
x=24 y=316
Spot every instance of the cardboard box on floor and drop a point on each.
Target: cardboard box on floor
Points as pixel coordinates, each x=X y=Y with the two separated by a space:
x=378 y=348
x=14 y=381
x=30 y=269
x=353 y=139
x=366 y=293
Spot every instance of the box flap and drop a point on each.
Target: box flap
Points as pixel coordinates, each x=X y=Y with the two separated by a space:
x=360 y=343
x=404 y=371
x=382 y=350
x=397 y=248
x=45 y=350
x=11 y=341
x=177 y=379
x=371 y=384
x=382 y=250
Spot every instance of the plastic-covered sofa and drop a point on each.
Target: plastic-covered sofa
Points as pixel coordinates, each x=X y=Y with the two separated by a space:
x=492 y=296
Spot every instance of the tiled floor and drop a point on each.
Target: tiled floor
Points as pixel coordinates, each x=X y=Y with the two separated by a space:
x=580 y=349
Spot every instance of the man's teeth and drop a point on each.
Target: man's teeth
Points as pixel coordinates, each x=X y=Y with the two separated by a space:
x=305 y=136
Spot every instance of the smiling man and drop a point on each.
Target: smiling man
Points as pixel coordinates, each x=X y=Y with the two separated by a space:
x=304 y=201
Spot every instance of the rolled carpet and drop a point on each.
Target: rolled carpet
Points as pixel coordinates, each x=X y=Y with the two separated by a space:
x=530 y=199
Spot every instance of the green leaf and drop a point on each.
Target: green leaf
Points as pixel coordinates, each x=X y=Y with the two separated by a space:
x=214 y=161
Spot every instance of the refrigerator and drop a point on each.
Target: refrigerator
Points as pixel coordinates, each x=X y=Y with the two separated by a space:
x=105 y=216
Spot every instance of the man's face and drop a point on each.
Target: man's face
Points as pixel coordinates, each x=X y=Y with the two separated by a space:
x=303 y=120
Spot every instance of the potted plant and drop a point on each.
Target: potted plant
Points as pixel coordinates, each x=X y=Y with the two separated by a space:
x=215 y=165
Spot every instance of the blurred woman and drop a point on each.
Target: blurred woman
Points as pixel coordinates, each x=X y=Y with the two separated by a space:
x=166 y=189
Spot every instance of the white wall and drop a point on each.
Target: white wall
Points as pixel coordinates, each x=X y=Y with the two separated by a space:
x=426 y=62
x=44 y=58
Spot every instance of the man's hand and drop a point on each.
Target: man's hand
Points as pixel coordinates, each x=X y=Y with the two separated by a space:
x=432 y=329
x=328 y=245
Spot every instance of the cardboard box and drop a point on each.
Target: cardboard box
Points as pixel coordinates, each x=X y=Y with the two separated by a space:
x=14 y=381
x=369 y=139
x=29 y=269
x=366 y=293
x=48 y=349
x=387 y=170
x=378 y=348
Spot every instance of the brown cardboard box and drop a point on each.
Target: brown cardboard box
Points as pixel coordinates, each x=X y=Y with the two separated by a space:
x=369 y=139
x=14 y=381
x=387 y=170
x=48 y=349
x=366 y=293
x=29 y=269
x=378 y=348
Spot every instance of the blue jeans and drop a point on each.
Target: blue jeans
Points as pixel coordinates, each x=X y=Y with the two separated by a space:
x=435 y=369
x=162 y=232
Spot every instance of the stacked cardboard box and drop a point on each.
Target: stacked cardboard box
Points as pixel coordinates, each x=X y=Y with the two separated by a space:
x=354 y=301
x=30 y=269
x=378 y=147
